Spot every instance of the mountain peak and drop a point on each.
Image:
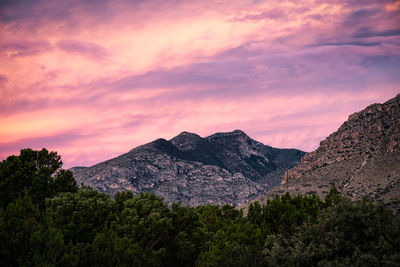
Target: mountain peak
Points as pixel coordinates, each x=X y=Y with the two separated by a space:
x=231 y=168
x=185 y=140
x=234 y=134
x=185 y=134
x=237 y=131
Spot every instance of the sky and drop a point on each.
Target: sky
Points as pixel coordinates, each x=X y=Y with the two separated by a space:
x=93 y=79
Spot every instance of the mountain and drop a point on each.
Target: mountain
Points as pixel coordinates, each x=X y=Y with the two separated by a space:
x=222 y=168
x=361 y=158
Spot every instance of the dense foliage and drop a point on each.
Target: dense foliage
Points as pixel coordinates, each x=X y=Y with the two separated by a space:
x=45 y=220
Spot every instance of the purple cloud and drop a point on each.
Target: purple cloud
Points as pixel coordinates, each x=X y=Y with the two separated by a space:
x=90 y=50
x=44 y=10
x=366 y=32
x=361 y=16
x=270 y=53
x=11 y=106
x=275 y=13
x=22 y=48
x=62 y=139
x=3 y=78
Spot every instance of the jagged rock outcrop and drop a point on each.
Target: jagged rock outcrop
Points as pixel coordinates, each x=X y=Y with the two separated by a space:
x=222 y=168
x=361 y=158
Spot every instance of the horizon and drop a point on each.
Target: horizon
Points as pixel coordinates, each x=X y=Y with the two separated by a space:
x=94 y=79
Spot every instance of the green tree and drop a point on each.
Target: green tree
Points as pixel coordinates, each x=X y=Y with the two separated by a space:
x=18 y=222
x=187 y=237
x=81 y=215
x=37 y=172
x=284 y=213
x=356 y=234
x=28 y=240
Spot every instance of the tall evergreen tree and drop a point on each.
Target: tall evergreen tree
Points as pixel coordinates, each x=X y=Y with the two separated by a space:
x=37 y=172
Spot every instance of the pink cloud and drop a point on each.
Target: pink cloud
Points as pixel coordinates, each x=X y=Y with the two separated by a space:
x=3 y=78
x=97 y=78
x=91 y=50
x=23 y=48
x=268 y=14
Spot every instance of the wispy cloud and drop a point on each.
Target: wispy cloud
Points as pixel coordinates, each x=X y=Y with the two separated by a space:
x=96 y=78
x=90 y=50
x=23 y=48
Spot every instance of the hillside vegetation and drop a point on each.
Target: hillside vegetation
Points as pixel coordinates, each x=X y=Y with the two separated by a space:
x=46 y=220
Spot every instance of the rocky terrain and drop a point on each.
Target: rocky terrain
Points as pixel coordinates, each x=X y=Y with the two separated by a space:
x=361 y=158
x=222 y=168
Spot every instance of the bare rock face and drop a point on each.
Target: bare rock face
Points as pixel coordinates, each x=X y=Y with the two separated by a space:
x=222 y=168
x=361 y=158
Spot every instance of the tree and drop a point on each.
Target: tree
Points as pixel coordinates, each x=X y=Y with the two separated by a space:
x=347 y=233
x=38 y=173
x=81 y=215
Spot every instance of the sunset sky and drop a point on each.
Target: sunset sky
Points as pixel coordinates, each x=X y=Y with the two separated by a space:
x=93 y=79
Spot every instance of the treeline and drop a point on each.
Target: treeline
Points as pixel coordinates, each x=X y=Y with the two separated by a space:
x=46 y=220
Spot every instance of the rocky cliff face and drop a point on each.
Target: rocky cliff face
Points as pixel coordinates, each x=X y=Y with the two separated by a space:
x=222 y=168
x=361 y=158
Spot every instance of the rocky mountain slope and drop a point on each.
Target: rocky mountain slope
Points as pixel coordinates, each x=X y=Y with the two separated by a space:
x=222 y=168
x=361 y=158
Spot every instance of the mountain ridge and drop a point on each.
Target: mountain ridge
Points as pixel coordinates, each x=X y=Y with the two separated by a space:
x=362 y=158
x=223 y=168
